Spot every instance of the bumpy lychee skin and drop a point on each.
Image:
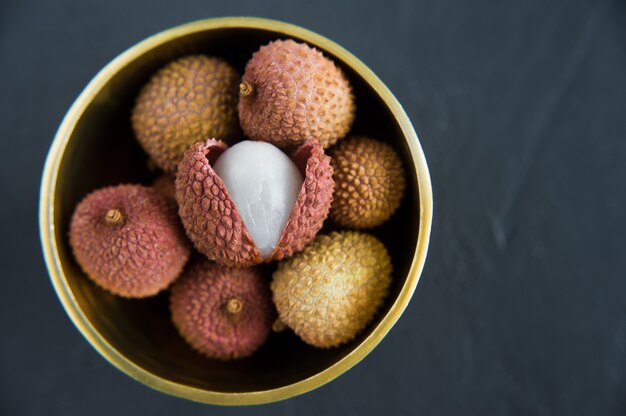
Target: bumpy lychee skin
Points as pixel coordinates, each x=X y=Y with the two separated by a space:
x=370 y=182
x=291 y=93
x=223 y=313
x=328 y=293
x=212 y=220
x=191 y=99
x=128 y=240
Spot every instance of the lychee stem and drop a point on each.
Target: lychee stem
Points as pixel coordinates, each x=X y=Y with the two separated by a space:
x=114 y=217
x=278 y=325
x=234 y=306
x=245 y=88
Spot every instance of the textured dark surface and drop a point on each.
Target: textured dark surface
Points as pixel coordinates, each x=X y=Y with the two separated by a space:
x=521 y=109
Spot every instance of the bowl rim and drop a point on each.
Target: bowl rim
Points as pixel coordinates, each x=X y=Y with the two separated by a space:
x=64 y=292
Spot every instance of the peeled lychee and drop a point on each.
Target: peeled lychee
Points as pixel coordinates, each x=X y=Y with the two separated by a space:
x=222 y=312
x=328 y=293
x=216 y=223
x=292 y=93
x=128 y=240
x=264 y=184
x=369 y=182
x=190 y=99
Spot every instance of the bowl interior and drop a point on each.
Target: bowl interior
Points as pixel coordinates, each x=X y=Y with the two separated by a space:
x=102 y=151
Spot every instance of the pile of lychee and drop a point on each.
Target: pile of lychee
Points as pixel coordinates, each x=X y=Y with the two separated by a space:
x=252 y=167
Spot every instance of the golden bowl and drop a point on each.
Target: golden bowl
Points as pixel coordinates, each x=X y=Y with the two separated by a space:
x=94 y=147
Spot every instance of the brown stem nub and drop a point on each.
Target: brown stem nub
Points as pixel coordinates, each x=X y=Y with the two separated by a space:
x=245 y=88
x=114 y=217
x=234 y=306
x=278 y=325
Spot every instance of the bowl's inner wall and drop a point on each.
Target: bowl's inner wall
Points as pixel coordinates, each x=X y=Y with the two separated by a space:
x=102 y=151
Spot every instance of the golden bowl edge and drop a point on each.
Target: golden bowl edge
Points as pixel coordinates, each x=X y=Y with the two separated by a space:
x=49 y=243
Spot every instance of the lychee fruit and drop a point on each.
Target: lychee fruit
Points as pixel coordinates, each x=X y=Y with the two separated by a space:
x=330 y=291
x=190 y=99
x=291 y=93
x=261 y=178
x=128 y=240
x=223 y=313
x=266 y=207
x=369 y=182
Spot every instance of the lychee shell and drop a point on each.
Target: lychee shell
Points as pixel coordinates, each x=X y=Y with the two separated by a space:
x=297 y=94
x=330 y=291
x=190 y=99
x=212 y=220
x=199 y=304
x=138 y=257
x=369 y=182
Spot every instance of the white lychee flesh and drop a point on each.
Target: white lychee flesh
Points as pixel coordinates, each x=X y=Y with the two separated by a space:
x=264 y=184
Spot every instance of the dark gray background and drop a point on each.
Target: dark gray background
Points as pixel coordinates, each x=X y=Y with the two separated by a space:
x=521 y=109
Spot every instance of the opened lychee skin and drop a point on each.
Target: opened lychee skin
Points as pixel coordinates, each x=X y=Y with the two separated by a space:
x=313 y=203
x=296 y=94
x=212 y=220
x=199 y=304
x=369 y=182
x=330 y=291
x=138 y=256
x=188 y=100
